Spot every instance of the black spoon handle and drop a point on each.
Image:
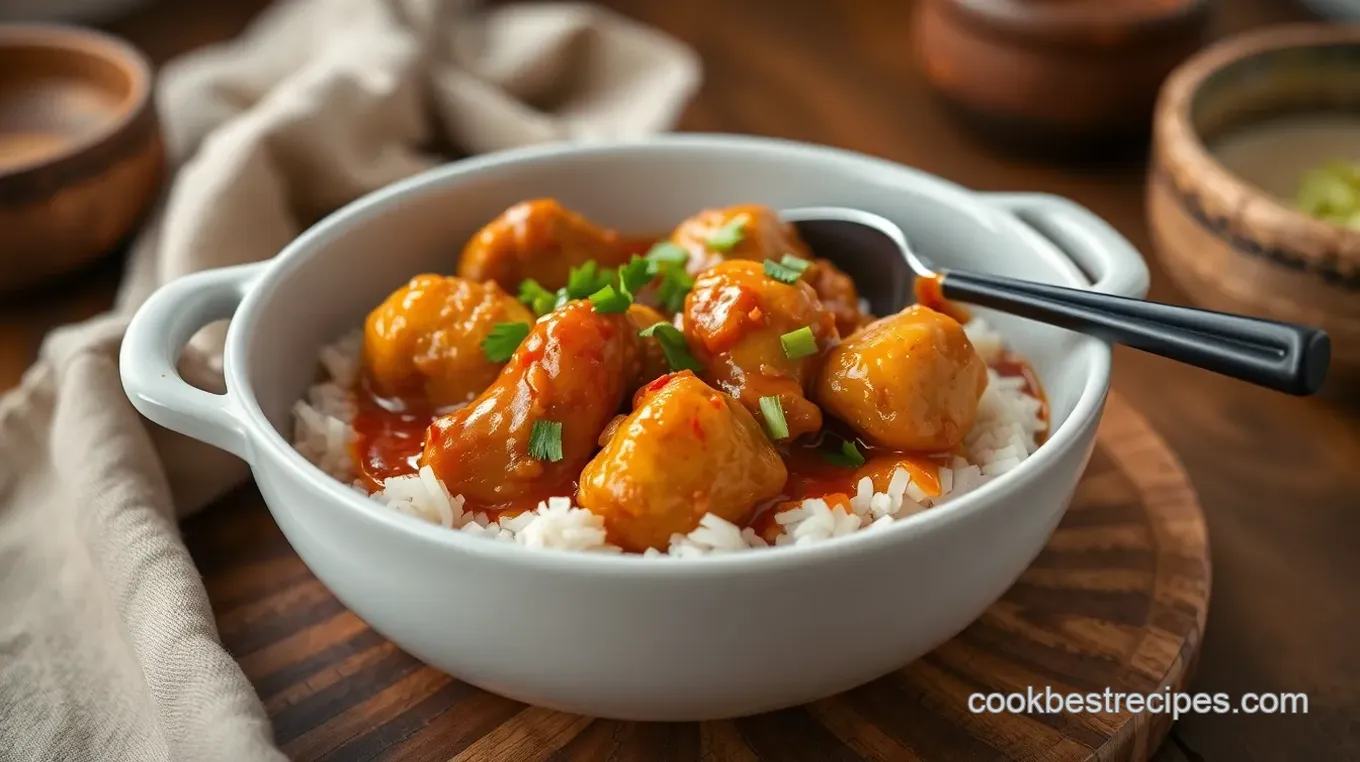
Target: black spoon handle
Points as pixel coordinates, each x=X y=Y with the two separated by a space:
x=1288 y=358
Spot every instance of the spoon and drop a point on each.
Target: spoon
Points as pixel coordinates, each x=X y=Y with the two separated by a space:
x=1282 y=356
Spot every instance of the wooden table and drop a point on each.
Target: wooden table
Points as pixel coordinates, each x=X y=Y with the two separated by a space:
x=1279 y=477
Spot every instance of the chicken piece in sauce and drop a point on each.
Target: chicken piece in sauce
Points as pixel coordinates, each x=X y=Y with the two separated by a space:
x=686 y=450
x=734 y=318
x=541 y=240
x=760 y=234
x=909 y=382
x=425 y=338
x=571 y=370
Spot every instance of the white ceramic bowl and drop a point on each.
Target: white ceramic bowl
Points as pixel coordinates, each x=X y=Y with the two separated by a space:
x=625 y=636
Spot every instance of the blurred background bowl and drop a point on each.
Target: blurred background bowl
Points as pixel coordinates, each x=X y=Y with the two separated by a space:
x=1338 y=10
x=1056 y=79
x=81 y=157
x=1236 y=128
x=69 y=11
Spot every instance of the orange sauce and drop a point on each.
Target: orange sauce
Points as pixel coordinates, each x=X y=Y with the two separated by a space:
x=390 y=434
x=639 y=245
x=930 y=293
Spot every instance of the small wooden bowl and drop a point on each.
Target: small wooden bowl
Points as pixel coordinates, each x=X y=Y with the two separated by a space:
x=1058 y=78
x=1229 y=243
x=81 y=157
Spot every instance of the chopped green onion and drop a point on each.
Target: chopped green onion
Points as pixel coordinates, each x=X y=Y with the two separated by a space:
x=795 y=263
x=659 y=330
x=798 y=344
x=781 y=272
x=545 y=441
x=608 y=301
x=581 y=280
x=587 y=279
x=673 y=345
x=675 y=285
x=503 y=340
x=668 y=261
x=773 y=412
x=539 y=299
x=635 y=276
x=1331 y=192
x=562 y=298
x=666 y=252
x=848 y=457
x=729 y=235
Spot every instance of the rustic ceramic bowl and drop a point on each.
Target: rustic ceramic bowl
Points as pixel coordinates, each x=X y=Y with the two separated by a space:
x=1074 y=78
x=81 y=158
x=1230 y=244
x=628 y=636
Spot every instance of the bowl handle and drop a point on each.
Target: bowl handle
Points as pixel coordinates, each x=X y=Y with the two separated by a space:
x=156 y=336
x=1114 y=265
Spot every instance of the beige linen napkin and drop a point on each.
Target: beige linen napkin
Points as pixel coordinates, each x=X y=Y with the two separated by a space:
x=108 y=649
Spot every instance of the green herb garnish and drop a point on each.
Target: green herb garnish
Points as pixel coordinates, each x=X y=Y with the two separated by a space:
x=587 y=279
x=666 y=252
x=675 y=285
x=539 y=299
x=848 y=456
x=545 y=441
x=772 y=410
x=781 y=272
x=503 y=340
x=798 y=344
x=635 y=276
x=673 y=345
x=608 y=301
x=729 y=235
x=795 y=263
x=1331 y=193
x=668 y=261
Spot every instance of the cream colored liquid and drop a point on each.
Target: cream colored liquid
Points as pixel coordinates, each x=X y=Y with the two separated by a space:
x=1274 y=155
x=40 y=119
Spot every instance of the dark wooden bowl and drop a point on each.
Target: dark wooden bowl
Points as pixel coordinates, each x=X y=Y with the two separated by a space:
x=1054 y=77
x=1231 y=244
x=81 y=157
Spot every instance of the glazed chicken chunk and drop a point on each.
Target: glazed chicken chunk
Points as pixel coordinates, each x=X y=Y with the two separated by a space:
x=685 y=450
x=746 y=231
x=755 y=232
x=908 y=382
x=541 y=240
x=567 y=378
x=734 y=321
x=425 y=338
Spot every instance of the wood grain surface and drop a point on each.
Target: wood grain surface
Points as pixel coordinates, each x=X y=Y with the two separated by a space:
x=1116 y=601
x=1277 y=476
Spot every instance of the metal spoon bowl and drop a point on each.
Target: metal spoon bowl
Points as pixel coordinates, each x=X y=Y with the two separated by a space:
x=875 y=253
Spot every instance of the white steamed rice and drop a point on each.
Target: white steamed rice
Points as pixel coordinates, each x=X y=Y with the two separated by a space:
x=1005 y=434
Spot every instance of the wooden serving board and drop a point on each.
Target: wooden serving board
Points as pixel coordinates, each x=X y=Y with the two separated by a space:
x=1117 y=600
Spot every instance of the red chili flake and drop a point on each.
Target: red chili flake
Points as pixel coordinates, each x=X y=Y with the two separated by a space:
x=659 y=382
